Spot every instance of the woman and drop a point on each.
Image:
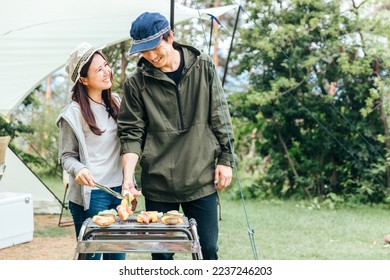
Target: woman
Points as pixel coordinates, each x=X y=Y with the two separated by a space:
x=89 y=148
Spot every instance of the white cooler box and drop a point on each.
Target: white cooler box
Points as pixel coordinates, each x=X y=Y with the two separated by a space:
x=17 y=218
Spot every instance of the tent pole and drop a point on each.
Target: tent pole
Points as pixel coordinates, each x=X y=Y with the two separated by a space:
x=211 y=33
x=172 y=15
x=231 y=45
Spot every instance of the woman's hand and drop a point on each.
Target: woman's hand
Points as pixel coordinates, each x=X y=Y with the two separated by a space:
x=84 y=178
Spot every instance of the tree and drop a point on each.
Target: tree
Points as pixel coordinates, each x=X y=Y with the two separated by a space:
x=312 y=80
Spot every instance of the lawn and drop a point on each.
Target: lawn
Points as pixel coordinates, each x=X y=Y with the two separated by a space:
x=291 y=230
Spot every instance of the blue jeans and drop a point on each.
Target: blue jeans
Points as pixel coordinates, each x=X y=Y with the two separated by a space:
x=205 y=212
x=100 y=201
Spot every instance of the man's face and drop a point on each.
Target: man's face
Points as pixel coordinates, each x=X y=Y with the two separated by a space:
x=160 y=57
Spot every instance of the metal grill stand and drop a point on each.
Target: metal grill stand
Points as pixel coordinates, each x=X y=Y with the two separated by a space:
x=130 y=236
x=64 y=206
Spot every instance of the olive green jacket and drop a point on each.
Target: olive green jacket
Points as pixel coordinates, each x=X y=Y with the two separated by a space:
x=180 y=131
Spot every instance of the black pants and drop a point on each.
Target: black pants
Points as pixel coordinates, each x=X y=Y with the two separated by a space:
x=205 y=212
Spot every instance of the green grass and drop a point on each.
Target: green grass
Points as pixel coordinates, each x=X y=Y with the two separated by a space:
x=52 y=231
x=289 y=230
x=55 y=184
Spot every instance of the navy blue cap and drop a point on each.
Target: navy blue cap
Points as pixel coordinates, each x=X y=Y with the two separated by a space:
x=147 y=30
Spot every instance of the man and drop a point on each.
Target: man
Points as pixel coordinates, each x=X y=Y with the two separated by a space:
x=175 y=119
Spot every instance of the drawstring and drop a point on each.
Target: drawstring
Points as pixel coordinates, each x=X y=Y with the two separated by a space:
x=219 y=207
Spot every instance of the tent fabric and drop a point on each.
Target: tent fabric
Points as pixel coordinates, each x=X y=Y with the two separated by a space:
x=36 y=38
x=18 y=178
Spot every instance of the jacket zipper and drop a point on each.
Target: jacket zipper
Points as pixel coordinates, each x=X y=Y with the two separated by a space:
x=181 y=121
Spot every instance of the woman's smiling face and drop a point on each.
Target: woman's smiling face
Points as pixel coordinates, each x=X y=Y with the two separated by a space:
x=98 y=75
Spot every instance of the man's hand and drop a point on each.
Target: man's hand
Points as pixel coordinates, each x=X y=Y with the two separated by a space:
x=129 y=162
x=128 y=187
x=223 y=176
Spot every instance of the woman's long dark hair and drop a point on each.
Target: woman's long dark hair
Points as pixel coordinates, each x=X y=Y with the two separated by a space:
x=80 y=95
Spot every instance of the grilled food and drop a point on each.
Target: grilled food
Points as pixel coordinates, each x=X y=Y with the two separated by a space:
x=172 y=217
x=124 y=209
x=172 y=220
x=105 y=218
x=104 y=221
x=147 y=217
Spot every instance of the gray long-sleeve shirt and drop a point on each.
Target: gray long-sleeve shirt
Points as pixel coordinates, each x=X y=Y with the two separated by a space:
x=80 y=148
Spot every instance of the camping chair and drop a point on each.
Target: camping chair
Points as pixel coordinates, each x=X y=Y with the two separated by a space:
x=65 y=205
x=4 y=141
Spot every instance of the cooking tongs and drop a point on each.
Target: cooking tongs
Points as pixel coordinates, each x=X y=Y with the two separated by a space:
x=109 y=190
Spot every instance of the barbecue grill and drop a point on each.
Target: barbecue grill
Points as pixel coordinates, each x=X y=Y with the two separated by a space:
x=130 y=236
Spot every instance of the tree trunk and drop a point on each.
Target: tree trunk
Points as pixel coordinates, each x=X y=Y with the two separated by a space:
x=124 y=63
x=290 y=161
x=387 y=143
x=48 y=93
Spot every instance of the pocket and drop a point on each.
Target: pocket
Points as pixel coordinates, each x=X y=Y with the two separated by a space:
x=213 y=142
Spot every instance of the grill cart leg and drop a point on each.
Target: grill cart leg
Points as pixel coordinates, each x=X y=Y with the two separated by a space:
x=81 y=256
x=194 y=231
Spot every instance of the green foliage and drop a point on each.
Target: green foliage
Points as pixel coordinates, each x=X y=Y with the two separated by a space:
x=317 y=96
x=10 y=126
x=36 y=139
x=121 y=63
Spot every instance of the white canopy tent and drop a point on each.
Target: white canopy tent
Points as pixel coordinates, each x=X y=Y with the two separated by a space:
x=36 y=38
